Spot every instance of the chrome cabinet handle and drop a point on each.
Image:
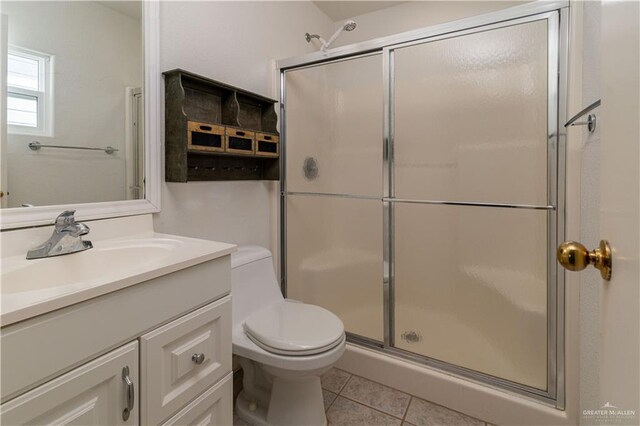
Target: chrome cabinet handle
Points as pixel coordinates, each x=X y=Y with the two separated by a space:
x=130 y=397
x=198 y=358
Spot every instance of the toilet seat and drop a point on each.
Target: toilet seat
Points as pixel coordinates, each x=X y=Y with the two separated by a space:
x=289 y=328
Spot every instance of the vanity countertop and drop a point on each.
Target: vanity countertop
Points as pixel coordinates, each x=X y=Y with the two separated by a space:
x=126 y=251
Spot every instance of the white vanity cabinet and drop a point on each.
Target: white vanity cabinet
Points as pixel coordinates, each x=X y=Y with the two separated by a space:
x=160 y=349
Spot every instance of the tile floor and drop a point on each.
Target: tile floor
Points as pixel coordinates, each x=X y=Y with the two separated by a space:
x=354 y=400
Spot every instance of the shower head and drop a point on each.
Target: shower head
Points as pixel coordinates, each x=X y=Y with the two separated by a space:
x=349 y=26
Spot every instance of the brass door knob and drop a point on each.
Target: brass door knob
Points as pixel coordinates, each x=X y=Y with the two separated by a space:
x=575 y=257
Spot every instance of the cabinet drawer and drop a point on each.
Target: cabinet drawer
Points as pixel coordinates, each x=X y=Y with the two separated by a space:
x=205 y=137
x=239 y=141
x=183 y=358
x=214 y=407
x=92 y=394
x=267 y=145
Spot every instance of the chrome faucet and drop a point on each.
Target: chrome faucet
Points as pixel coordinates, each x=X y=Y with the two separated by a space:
x=66 y=238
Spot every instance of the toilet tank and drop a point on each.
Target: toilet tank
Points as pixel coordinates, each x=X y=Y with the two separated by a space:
x=253 y=282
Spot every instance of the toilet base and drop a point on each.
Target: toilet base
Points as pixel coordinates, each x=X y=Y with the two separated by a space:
x=293 y=402
x=255 y=418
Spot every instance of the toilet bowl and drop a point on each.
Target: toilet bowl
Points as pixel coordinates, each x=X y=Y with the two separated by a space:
x=283 y=346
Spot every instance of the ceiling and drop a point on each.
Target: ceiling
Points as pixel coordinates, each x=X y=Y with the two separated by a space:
x=336 y=10
x=339 y=10
x=132 y=9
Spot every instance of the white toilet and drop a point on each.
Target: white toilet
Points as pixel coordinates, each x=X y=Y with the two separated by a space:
x=283 y=346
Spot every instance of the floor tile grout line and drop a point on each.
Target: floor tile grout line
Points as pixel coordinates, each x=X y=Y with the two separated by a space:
x=339 y=391
x=331 y=404
x=372 y=407
x=407 y=410
x=344 y=385
x=368 y=406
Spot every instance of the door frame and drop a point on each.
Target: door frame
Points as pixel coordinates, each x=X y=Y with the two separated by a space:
x=557 y=15
x=4 y=48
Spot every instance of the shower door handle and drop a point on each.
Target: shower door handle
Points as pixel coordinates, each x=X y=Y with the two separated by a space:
x=575 y=257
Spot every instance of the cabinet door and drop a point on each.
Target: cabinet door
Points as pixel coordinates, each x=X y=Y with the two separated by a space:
x=93 y=394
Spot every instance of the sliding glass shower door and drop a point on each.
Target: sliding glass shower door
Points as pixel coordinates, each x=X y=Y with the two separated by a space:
x=334 y=185
x=422 y=198
x=470 y=163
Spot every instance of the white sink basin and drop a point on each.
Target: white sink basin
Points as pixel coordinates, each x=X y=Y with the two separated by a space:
x=33 y=287
x=20 y=275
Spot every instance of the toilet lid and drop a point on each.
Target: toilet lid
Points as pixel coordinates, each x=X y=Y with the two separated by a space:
x=294 y=329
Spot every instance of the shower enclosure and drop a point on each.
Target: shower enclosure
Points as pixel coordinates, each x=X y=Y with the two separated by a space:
x=422 y=194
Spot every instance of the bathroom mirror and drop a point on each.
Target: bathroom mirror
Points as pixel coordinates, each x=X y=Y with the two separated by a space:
x=79 y=110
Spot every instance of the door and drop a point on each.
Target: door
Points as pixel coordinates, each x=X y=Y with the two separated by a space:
x=4 y=192
x=610 y=317
x=135 y=143
x=94 y=394
x=619 y=215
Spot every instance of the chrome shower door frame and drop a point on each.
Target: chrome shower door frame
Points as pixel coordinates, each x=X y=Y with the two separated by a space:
x=556 y=14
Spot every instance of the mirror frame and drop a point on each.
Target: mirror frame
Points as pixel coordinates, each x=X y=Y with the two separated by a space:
x=21 y=217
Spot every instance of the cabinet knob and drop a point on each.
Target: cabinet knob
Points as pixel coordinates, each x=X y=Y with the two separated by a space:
x=198 y=358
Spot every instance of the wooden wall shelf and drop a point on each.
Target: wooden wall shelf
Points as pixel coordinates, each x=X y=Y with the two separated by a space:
x=214 y=131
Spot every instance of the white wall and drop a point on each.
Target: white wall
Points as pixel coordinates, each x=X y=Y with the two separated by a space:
x=235 y=42
x=98 y=52
x=232 y=42
x=414 y=14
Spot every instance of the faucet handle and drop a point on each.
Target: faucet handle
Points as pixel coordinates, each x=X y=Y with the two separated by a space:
x=66 y=222
x=65 y=218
